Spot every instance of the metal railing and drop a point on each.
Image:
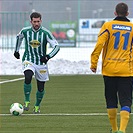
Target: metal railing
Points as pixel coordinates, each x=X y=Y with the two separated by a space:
x=10 y=24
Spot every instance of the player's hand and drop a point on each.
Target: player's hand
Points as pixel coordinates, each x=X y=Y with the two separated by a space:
x=44 y=59
x=93 y=70
x=17 y=55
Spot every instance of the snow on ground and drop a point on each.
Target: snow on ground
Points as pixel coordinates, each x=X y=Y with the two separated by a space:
x=67 y=61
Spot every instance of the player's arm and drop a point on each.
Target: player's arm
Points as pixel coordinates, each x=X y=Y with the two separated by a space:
x=52 y=41
x=102 y=38
x=19 y=40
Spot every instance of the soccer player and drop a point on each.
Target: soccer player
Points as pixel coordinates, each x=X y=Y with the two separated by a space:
x=115 y=40
x=35 y=58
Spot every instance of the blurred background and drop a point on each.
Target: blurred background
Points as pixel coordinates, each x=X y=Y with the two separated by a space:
x=74 y=23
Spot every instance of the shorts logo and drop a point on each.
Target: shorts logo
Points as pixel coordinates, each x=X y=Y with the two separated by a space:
x=121 y=27
x=35 y=43
x=27 y=63
x=42 y=71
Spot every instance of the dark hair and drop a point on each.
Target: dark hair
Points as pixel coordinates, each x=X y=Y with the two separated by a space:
x=121 y=9
x=35 y=15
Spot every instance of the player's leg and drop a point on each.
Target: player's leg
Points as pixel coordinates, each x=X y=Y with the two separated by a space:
x=125 y=98
x=29 y=70
x=111 y=101
x=27 y=87
x=39 y=95
x=41 y=75
x=27 y=84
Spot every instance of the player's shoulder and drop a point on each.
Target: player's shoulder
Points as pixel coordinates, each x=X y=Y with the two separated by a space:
x=109 y=22
x=45 y=30
x=26 y=28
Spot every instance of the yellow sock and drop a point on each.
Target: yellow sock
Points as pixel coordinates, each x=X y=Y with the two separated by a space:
x=124 y=118
x=112 y=115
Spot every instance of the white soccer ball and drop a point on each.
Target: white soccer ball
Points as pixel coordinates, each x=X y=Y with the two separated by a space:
x=16 y=109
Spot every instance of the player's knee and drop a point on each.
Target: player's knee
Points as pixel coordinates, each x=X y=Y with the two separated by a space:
x=28 y=76
x=40 y=86
x=40 y=89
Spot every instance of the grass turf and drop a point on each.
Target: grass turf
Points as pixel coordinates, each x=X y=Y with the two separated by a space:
x=75 y=94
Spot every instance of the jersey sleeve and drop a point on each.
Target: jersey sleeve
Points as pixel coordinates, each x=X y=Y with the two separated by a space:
x=19 y=40
x=101 y=41
x=54 y=44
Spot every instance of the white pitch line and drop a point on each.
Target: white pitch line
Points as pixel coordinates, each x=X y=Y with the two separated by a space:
x=13 y=80
x=63 y=114
x=60 y=114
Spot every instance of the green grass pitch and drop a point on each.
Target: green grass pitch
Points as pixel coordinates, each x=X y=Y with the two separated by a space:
x=72 y=104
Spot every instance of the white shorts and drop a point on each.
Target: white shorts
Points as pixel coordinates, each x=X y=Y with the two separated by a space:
x=40 y=71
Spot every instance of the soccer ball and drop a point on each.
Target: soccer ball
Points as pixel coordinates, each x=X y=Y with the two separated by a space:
x=16 y=109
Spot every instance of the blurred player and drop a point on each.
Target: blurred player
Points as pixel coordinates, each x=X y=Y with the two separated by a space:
x=35 y=58
x=116 y=40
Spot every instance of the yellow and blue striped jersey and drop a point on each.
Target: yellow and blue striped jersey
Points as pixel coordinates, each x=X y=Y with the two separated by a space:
x=116 y=40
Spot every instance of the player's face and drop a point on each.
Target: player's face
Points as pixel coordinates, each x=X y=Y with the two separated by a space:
x=36 y=23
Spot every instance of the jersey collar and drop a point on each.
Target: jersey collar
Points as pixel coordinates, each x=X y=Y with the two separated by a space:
x=122 y=19
x=36 y=30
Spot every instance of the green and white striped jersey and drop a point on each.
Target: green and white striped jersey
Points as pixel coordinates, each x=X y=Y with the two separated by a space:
x=36 y=44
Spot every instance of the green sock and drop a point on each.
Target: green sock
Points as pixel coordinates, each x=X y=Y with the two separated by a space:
x=27 y=91
x=39 y=97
